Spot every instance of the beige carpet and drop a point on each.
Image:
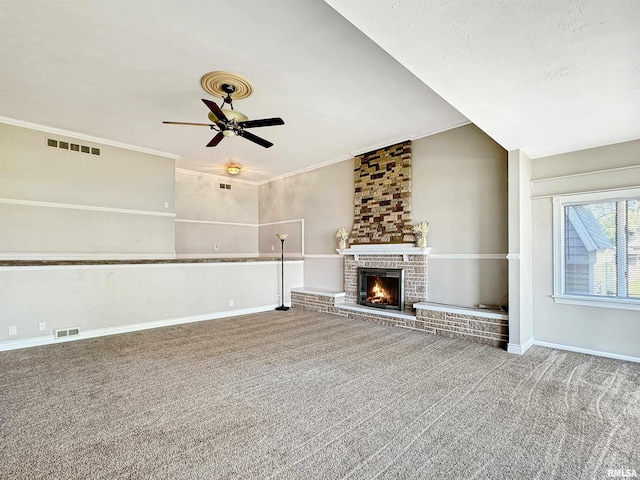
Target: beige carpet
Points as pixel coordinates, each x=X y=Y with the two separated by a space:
x=301 y=395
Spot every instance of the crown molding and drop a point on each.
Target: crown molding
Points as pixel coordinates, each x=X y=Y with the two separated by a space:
x=82 y=136
x=430 y=133
x=112 y=143
x=370 y=148
x=379 y=145
x=306 y=169
x=411 y=137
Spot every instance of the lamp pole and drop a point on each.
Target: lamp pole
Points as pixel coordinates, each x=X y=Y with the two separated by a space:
x=282 y=237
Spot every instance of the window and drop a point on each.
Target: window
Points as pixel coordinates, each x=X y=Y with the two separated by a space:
x=597 y=249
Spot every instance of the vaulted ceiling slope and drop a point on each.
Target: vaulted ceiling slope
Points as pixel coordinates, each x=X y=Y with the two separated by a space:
x=545 y=76
x=115 y=70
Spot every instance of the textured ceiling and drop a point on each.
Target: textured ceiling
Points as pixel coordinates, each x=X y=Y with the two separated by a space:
x=115 y=70
x=545 y=76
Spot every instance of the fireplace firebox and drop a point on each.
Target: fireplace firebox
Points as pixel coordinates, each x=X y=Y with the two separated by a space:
x=381 y=288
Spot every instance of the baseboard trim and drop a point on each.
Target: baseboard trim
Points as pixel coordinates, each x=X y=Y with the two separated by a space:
x=587 y=351
x=101 y=332
x=519 y=349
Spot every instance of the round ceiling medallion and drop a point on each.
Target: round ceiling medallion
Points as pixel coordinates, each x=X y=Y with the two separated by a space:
x=213 y=82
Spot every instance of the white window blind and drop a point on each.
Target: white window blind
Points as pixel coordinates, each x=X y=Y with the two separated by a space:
x=600 y=248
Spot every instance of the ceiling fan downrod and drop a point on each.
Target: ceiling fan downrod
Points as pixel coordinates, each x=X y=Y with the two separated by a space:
x=229 y=90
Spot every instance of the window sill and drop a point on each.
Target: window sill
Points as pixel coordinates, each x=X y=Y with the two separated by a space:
x=619 y=303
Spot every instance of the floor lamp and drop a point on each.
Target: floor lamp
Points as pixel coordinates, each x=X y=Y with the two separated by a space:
x=282 y=237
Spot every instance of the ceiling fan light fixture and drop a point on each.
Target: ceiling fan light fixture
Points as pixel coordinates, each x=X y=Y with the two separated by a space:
x=233 y=169
x=231 y=115
x=235 y=115
x=229 y=133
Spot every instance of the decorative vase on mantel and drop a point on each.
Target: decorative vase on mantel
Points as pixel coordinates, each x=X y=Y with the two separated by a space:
x=420 y=234
x=342 y=235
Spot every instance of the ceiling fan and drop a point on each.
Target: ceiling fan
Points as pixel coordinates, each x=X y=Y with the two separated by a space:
x=230 y=122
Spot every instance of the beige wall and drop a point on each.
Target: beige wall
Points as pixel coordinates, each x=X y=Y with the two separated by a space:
x=459 y=185
x=211 y=221
x=606 y=330
x=113 y=298
x=58 y=201
x=460 y=188
x=269 y=242
x=199 y=197
x=322 y=197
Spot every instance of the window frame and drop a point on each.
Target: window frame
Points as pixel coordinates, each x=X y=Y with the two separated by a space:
x=559 y=204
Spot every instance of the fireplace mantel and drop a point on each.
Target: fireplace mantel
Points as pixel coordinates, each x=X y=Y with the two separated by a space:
x=404 y=249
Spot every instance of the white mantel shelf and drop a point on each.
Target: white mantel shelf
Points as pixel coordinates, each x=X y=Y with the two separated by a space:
x=404 y=249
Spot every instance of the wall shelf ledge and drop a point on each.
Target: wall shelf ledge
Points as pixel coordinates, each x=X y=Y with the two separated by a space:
x=404 y=249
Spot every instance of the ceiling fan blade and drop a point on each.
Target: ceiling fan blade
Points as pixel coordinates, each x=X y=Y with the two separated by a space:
x=216 y=110
x=265 y=122
x=255 y=139
x=215 y=140
x=188 y=123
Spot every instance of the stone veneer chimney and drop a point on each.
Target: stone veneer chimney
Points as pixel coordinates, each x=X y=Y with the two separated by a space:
x=383 y=196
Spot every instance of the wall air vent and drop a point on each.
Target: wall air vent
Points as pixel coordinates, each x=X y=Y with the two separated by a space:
x=74 y=147
x=66 y=332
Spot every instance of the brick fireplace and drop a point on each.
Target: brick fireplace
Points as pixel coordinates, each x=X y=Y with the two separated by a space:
x=382 y=238
x=411 y=260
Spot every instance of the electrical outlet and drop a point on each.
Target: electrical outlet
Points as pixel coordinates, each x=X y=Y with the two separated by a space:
x=13 y=329
x=272 y=248
x=42 y=326
x=231 y=303
x=166 y=204
x=215 y=248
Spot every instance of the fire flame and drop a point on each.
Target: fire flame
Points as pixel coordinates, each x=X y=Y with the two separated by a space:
x=379 y=294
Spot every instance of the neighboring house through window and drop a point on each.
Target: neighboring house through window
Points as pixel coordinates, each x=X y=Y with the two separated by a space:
x=597 y=249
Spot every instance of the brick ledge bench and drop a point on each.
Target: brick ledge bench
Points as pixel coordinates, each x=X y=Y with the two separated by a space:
x=324 y=301
x=476 y=324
